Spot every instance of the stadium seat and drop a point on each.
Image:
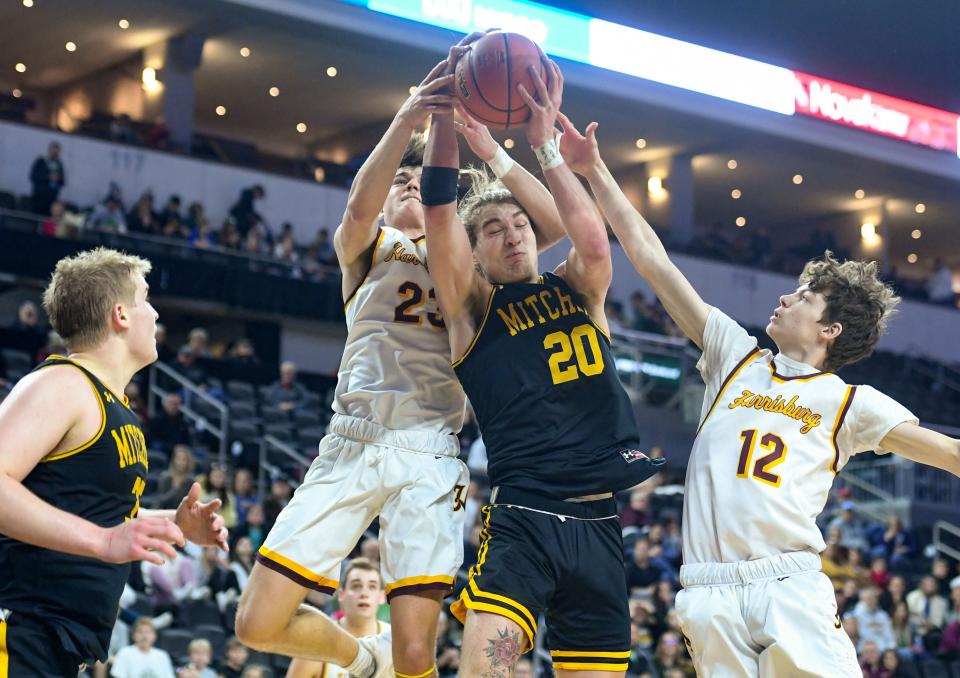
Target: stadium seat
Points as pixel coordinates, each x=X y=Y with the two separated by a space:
x=215 y=634
x=199 y=612
x=158 y=460
x=306 y=418
x=175 y=642
x=16 y=361
x=8 y=201
x=311 y=435
x=934 y=668
x=282 y=431
x=240 y=391
x=243 y=410
x=243 y=431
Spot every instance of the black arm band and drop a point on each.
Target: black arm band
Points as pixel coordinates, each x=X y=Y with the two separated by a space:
x=438 y=185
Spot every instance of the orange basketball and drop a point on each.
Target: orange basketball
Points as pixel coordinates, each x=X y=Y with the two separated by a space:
x=487 y=78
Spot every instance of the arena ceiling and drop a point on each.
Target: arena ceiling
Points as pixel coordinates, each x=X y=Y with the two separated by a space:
x=910 y=54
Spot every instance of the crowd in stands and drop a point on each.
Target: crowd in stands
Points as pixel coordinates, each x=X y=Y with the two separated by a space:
x=247 y=231
x=900 y=607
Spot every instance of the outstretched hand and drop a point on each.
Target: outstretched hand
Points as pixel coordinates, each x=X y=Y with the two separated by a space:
x=579 y=151
x=201 y=523
x=140 y=539
x=430 y=96
x=478 y=136
x=543 y=113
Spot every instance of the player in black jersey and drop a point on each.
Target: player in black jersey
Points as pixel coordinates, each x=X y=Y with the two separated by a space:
x=533 y=354
x=73 y=461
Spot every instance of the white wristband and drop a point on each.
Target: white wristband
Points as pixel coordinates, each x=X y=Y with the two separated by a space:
x=548 y=155
x=501 y=163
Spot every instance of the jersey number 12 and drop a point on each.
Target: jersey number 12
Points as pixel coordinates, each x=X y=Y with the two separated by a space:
x=761 y=468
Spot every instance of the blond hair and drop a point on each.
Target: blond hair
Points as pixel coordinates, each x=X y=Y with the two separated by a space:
x=857 y=299
x=85 y=287
x=485 y=189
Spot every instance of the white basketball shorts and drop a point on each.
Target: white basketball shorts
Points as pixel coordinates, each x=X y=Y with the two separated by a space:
x=769 y=617
x=412 y=480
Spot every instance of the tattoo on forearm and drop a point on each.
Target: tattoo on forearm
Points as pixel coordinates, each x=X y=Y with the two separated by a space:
x=502 y=652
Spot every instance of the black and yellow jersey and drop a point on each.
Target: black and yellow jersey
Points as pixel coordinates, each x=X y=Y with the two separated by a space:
x=100 y=481
x=553 y=414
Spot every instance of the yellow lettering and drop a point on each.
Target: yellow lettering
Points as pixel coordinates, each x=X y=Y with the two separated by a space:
x=513 y=321
x=552 y=312
x=123 y=447
x=566 y=302
x=531 y=301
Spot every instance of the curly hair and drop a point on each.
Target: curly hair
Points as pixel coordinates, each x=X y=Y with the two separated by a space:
x=857 y=299
x=484 y=190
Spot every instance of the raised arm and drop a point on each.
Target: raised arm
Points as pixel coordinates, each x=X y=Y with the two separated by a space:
x=526 y=188
x=638 y=239
x=372 y=183
x=588 y=268
x=922 y=445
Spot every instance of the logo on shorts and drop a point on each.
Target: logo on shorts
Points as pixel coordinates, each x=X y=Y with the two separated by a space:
x=836 y=622
x=459 y=497
x=631 y=456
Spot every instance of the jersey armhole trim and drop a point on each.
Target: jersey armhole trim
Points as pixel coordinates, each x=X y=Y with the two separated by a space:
x=370 y=261
x=726 y=382
x=476 y=336
x=841 y=415
x=103 y=422
x=780 y=379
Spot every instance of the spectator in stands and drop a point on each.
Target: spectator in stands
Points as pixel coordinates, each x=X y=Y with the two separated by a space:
x=254 y=671
x=172 y=583
x=879 y=574
x=54 y=346
x=287 y=394
x=237 y=654
x=171 y=211
x=896 y=593
x=229 y=237
x=244 y=212
x=875 y=624
x=870 y=660
x=108 y=217
x=202 y=236
x=243 y=353
x=852 y=532
x=216 y=484
x=325 y=253
x=927 y=607
x=940 y=284
x=643 y=571
x=121 y=130
x=898 y=543
x=903 y=628
x=169 y=427
x=177 y=479
x=940 y=570
x=253 y=243
x=241 y=561
x=142 y=658
x=890 y=662
x=158 y=134
x=671 y=654
x=614 y=312
x=132 y=393
x=852 y=628
x=280 y=493
x=286 y=250
x=28 y=320
x=833 y=562
x=218 y=582
x=643 y=318
x=201 y=654
x=47 y=176
x=185 y=364
x=142 y=218
x=52 y=225
x=244 y=493
x=199 y=342
x=164 y=352
x=254 y=528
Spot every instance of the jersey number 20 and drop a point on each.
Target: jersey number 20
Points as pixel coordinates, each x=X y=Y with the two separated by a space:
x=582 y=338
x=761 y=468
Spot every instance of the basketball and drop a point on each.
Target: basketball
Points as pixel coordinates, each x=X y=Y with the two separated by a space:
x=487 y=78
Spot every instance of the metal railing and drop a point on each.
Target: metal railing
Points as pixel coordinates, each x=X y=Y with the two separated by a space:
x=193 y=394
x=940 y=528
x=645 y=361
x=269 y=443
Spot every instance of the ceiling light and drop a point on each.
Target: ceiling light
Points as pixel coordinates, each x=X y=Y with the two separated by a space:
x=912 y=258
x=17 y=93
x=123 y=24
x=71 y=46
x=221 y=110
x=244 y=52
x=20 y=68
x=508 y=143
x=274 y=91
x=301 y=127
x=332 y=71
x=920 y=208
x=641 y=143
x=741 y=222
x=319 y=175
x=655 y=186
x=735 y=194
x=413 y=89
x=798 y=179
x=28 y=3
x=916 y=233
x=150 y=82
x=858 y=194
x=868 y=231
x=732 y=164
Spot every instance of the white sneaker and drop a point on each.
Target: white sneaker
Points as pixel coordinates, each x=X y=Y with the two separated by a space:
x=381 y=647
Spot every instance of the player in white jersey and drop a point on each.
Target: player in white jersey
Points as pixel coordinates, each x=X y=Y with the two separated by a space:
x=774 y=431
x=391 y=452
x=360 y=596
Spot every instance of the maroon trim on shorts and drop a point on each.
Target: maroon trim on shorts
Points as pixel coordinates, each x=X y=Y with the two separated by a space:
x=415 y=588
x=293 y=576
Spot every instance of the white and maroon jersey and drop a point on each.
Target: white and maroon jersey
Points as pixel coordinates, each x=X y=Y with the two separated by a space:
x=395 y=369
x=773 y=434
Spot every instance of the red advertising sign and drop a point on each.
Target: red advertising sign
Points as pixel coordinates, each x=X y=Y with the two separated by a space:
x=877 y=113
